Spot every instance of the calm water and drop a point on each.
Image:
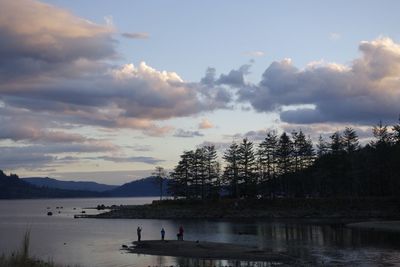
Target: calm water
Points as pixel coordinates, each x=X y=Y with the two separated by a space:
x=97 y=242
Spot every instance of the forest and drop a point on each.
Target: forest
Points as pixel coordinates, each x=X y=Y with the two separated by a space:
x=291 y=165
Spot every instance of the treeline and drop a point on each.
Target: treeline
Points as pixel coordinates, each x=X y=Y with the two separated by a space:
x=290 y=165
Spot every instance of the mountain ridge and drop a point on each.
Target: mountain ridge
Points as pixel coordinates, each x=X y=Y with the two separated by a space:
x=13 y=187
x=69 y=185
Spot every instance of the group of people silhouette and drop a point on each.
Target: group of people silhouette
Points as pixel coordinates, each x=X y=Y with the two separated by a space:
x=179 y=235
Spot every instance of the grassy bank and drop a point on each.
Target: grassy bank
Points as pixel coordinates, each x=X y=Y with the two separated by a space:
x=354 y=208
x=22 y=258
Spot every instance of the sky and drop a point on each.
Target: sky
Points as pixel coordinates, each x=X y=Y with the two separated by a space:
x=107 y=90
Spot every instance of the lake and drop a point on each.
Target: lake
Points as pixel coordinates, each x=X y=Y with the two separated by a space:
x=97 y=242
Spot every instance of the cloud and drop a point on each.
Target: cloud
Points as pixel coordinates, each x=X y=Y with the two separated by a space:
x=30 y=132
x=255 y=53
x=53 y=64
x=219 y=146
x=141 y=148
x=148 y=160
x=38 y=38
x=364 y=92
x=126 y=97
x=136 y=35
x=209 y=78
x=326 y=130
x=205 y=124
x=234 y=77
x=187 y=134
x=254 y=135
x=40 y=156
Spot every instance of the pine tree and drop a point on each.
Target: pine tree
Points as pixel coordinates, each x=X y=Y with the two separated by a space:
x=181 y=176
x=212 y=168
x=231 y=173
x=284 y=154
x=302 y=151
x=322 y=147
x=381 y=134
x=350 y=140
x=247 y=167
x=199 y=172
x=308 y=153
x=336 y=145
x=267 y=153
x=396 y=132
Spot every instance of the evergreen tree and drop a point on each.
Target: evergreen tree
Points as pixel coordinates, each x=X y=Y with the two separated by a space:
x=212 y=168
x=181 y=176
x=231 y=172
x=323 y=147
x=308 y=153
x=350 y=140
x=267 y=153
x=284 y=154
x=396 y=132
x=247 y=167
x=381 y=134
x=336 y=145
x=199 y=173
x=303 y=151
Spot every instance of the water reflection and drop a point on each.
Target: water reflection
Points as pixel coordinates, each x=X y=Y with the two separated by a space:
x=92 y=242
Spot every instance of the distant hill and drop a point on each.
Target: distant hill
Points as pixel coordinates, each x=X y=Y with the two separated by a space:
x=142 y=187
x=68 y=185
x=13 y=187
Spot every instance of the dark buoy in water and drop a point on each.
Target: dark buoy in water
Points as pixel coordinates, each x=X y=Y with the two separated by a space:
x=49 y=213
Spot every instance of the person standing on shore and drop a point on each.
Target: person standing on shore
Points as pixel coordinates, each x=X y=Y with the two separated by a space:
x=139 y=233
x=162 y=233
x=181 y=233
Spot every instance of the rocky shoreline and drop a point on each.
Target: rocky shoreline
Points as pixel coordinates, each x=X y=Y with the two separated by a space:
x=338 y=209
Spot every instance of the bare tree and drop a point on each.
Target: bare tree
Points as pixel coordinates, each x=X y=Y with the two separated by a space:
x=159 y=174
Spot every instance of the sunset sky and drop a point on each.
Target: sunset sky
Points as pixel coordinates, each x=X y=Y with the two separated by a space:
x=107 y=90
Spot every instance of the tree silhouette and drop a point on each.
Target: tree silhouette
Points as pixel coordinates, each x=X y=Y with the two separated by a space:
x=159 y=174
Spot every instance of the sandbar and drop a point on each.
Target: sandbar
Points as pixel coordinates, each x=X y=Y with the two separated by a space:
x=206 y=250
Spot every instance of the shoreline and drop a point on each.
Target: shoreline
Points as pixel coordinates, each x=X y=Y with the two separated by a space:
x=381 y=226
x=206 y=250
x=228 y=209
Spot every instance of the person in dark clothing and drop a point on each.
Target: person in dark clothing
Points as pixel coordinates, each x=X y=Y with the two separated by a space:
x=162 y=234
x=139 y=233
x=180 y=234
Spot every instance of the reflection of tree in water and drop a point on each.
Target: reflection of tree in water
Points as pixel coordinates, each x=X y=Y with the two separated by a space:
x=190 y=262
x=325 y=242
